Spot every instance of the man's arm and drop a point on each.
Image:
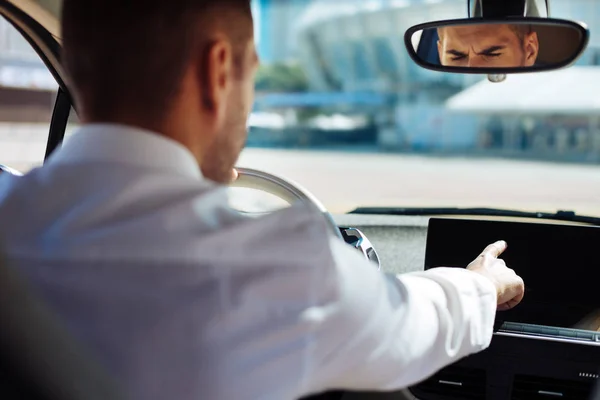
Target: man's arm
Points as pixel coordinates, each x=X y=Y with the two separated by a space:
x=381 y=332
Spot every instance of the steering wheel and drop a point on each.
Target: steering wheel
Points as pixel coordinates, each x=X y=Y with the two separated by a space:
x=291 y=193
x=286 y=190
x=9 y=170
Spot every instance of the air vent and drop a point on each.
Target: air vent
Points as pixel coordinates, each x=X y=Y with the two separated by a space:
x=535 y=388
x=453 y=383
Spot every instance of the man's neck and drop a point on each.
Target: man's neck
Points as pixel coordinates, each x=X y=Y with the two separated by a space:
x=172 y=131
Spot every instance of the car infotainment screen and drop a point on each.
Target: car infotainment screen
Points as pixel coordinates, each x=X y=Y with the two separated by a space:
x=560 y=265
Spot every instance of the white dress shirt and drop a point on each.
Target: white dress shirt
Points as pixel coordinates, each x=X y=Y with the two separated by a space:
x=180 y=297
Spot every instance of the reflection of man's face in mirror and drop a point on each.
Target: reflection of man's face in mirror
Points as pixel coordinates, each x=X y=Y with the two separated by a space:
x=488 y=46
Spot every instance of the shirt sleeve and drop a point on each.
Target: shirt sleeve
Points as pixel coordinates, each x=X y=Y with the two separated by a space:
x=373 y=331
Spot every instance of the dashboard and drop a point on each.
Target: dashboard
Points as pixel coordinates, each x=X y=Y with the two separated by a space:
x=540 y=350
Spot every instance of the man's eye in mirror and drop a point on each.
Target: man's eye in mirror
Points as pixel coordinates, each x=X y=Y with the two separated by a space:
x=497 y=45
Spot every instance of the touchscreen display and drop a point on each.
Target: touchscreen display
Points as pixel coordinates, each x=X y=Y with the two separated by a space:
x=560 y=266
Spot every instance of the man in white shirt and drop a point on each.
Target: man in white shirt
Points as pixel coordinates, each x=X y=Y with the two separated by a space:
x=126 y=232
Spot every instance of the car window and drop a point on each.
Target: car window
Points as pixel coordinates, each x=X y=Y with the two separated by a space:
x=27 y=96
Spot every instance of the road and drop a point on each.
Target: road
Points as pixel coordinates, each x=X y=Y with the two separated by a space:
x=344 y=180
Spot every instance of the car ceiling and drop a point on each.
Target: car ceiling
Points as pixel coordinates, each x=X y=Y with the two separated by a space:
x=45 y=12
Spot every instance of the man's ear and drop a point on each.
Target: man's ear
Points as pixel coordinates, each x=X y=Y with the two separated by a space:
x=216 y=76
x=532 y=49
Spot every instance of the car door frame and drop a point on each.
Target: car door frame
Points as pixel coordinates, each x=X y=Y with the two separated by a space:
x=47 y=48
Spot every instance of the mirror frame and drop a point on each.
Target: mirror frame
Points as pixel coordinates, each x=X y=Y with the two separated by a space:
x=580 y=26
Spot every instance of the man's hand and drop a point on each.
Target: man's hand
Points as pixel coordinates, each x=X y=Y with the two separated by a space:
x=509 y=286
x=234 y=175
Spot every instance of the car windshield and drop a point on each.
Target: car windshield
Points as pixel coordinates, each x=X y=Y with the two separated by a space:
x=342 y=110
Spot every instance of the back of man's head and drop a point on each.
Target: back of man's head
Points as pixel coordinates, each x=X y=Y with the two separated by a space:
x=129 y=56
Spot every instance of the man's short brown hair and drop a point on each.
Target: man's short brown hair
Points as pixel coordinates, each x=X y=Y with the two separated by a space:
x=124 y=56
x=521 y=30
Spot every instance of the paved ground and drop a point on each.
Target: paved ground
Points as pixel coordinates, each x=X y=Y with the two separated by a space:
x=346 y=180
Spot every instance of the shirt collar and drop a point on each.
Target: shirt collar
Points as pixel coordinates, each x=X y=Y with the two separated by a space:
x=128 y=145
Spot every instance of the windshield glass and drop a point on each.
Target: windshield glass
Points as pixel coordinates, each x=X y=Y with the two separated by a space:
x=342 y=110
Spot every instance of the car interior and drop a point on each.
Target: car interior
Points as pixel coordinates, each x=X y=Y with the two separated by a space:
x=547 y=348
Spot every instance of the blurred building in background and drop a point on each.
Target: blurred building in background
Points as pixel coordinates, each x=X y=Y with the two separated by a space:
x=356 y=48
x=275 y=33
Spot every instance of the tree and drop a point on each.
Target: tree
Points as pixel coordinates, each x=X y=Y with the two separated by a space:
x=280 y=77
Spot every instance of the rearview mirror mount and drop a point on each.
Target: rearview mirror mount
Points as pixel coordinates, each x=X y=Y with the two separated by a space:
x=501 y=46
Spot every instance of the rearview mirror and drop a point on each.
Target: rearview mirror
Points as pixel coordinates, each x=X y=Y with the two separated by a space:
x=503 y=46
